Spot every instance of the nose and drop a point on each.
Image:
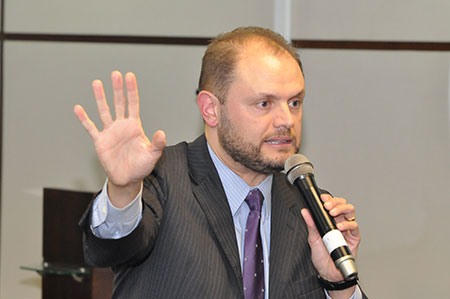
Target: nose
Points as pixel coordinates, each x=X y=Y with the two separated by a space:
x=283 y=117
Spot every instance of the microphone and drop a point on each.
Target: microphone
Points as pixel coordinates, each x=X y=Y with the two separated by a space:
x=300 y=173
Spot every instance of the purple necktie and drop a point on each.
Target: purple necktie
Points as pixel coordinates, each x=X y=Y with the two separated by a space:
x=253 y=272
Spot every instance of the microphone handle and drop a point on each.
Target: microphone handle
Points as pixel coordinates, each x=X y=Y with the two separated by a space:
x=311 y=194
x=326 y=225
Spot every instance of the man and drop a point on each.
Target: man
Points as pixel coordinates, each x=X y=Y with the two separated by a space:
x=177 y=222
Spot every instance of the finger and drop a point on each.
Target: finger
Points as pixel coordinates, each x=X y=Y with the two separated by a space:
x=325 y=197
x=86 y=122
x=346 y=210
x=119 y=97
x=347 y=226
x=331 y=202
x=158 y=141
x=133 y=95
x=102 y=105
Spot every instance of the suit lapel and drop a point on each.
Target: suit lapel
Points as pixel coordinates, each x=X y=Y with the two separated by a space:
x=211 y=197
x=283 y=236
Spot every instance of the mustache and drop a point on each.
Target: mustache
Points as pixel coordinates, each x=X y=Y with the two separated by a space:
x=282 y=133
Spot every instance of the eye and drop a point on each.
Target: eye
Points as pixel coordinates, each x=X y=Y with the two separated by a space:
x=263 y=104
x=295 y=103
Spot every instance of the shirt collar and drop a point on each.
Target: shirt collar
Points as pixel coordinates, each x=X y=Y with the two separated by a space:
x=236 y=189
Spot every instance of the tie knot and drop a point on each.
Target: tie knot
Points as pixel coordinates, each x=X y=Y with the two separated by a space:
x=254 y=200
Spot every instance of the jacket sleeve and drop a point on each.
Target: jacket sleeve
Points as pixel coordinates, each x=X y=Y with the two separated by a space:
x=135 y=247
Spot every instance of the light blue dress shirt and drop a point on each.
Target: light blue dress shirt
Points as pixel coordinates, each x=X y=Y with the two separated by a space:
x=236 y=191
x=109 y=222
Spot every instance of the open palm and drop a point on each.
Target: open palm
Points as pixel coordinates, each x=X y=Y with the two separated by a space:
x=122 y=147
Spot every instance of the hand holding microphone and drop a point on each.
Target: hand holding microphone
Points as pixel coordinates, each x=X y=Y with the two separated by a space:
x=330 y=249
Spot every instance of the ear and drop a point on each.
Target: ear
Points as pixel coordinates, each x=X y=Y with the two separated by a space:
x=208 y=104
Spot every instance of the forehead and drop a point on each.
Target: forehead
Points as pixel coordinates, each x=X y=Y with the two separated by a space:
x=263 y=70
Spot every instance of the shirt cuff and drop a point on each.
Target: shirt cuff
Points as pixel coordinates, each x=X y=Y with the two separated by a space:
x=109 y=222
x=356 y=295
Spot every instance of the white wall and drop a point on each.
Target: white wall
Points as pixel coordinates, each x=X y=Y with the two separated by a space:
x=376 y=123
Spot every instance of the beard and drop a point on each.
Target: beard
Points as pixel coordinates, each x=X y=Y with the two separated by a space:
x=249 y=154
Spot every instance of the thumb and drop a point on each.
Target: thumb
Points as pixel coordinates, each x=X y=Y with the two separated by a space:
x=158 y=141
x=313 y=233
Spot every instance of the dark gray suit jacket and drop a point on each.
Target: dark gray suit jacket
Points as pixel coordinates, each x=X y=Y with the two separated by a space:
x=185 y=246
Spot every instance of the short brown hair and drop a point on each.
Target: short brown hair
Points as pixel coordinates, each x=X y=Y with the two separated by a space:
x=222 y=54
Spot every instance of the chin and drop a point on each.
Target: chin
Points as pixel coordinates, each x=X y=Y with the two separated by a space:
x=276 y=162
x=280 y=156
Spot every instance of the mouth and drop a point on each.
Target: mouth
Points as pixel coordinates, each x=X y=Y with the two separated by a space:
x=279 y=141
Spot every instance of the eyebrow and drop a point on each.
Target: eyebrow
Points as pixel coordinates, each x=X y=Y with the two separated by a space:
x=301 y=94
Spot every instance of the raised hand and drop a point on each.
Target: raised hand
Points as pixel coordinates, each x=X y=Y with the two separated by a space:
x=125 y=152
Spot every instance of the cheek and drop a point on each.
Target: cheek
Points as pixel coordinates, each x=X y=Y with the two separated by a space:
x=298 y=132
x=253 y=126
x=298 y=127
x=298 y=123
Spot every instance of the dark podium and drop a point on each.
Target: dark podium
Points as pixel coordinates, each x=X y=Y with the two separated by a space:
x=64 y=272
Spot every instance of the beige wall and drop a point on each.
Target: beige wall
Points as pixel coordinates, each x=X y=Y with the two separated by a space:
x=43 y=143
x=388 y=20
x=136 y=17
x=376 y=123
x=377 y=129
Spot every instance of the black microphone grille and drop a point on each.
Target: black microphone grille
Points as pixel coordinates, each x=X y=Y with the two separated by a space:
x=297 y=165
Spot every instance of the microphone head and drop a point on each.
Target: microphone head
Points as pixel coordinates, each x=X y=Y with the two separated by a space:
x=297 y=165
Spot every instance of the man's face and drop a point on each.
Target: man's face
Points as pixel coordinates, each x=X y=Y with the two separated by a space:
x=260 y=120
